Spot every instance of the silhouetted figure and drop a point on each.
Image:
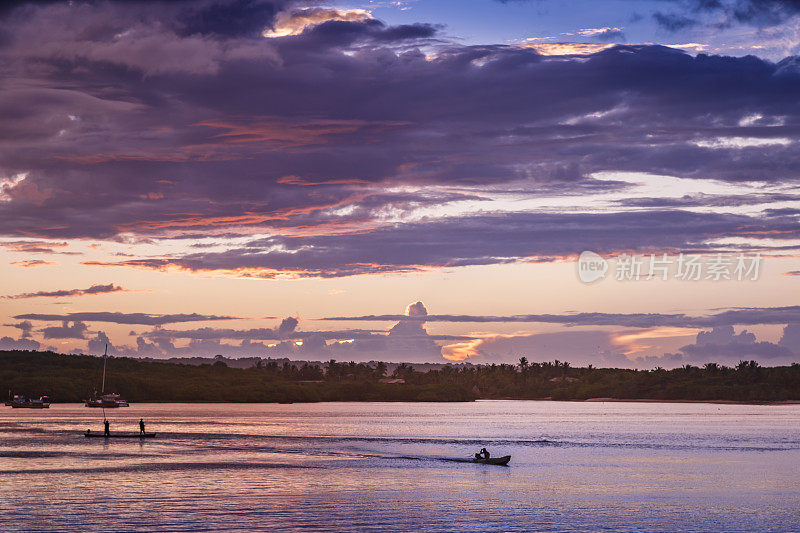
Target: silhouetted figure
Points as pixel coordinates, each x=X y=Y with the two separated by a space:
x=483 y=454
x=141 y=425
x=106 y=430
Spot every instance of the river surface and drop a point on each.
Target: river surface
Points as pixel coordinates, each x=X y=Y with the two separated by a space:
x=403 y=467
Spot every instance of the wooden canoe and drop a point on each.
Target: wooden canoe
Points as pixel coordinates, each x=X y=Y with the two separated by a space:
x=502 y=461
x=101 y=435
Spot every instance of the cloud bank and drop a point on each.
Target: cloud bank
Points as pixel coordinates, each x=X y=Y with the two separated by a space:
x=94 y=289
x=320 y=171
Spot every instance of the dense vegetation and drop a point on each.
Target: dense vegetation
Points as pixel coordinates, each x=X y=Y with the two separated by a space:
x=73 y=378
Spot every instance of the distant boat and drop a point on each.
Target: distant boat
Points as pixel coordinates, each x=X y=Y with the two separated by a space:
x=501 y=461
x=19 y=401
x=106 y=400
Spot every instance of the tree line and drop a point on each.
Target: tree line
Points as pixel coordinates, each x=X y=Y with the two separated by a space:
x=75 y=378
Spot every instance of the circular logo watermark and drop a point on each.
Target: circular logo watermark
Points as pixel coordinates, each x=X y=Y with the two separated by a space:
x=591 y=267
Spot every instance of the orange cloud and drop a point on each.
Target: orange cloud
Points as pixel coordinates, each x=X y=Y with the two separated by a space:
x=353 y=269
x=566 y=49
x=460 y=351
x=33 y=263
x=240 y=137
x=297 y=180
x=295 y=22
x=655 y=333
x=291 y=134
x=247 y=219
x=32 y=247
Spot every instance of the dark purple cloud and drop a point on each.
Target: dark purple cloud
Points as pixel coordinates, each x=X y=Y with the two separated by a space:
x=724 y=335
x=791 y=338
x=76 y=331
x=412 y=329
x=730 y=317
x=94 y=289
x=228 y=17
x=275 y=115
x=341 y=33
x=250 y=334
x=479 y=240
x=123 y=318
x=33 y=263
x=25 y=327
x=734 y=352
x=715 y=200
x=674 y=21
x=7 y=343
x=600 y=348
x=688 y=13
x=37 y=247
x=149 y=121
x=722 y=345
x=287 y=326
x=406 y=341
x=100 y=344
x=760 y=13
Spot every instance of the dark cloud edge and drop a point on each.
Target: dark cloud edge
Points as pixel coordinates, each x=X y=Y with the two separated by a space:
x=738 y=316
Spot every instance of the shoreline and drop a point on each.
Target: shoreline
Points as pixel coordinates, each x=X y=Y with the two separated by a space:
x=69 y=378
x=588 y=400
x=646 y=400
x=731 y=402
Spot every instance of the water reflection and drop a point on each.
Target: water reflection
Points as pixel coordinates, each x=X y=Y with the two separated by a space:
x=345 y=467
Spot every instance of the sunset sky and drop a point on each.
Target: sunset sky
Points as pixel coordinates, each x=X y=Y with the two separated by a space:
x=401 y=180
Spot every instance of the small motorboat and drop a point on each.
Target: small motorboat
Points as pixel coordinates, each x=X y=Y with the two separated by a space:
x=101 y=435
x=501 y=461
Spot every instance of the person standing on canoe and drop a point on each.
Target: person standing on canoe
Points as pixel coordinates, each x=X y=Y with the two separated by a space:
x=106 y=431
x=141 y=425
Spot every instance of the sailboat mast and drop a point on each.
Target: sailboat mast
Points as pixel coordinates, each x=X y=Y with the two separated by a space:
x=105 y=355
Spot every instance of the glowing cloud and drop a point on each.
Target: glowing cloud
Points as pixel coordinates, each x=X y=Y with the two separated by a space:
x=566 y=49
x=743 y=142
x=296 y=22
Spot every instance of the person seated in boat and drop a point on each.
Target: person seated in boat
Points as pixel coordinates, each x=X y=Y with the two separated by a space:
x=483 y=454
x=141 y=425
x=106 y=430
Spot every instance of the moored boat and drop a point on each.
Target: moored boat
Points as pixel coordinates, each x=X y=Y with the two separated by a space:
x=501 y=461
x=106 y=400
x=19 y=401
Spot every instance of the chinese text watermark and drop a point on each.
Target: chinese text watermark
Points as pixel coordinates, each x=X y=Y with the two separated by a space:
x=684 y=267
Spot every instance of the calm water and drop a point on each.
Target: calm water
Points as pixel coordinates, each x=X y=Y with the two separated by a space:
x=399 y=467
